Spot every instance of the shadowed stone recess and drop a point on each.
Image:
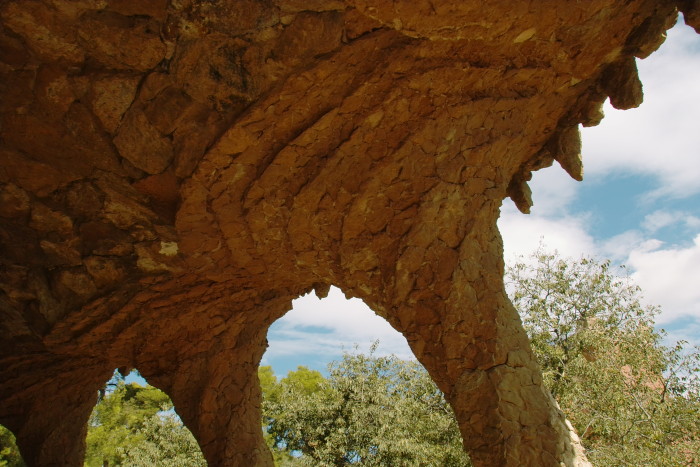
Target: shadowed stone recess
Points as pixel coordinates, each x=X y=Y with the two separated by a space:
x=174 y=173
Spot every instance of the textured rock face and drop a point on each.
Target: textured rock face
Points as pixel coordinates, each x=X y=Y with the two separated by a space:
x=173 y=174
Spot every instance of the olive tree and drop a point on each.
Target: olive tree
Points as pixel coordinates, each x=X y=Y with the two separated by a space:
x=371 y=410
x=633 y=400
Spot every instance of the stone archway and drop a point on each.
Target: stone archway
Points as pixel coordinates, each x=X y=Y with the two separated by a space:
x=174 y=174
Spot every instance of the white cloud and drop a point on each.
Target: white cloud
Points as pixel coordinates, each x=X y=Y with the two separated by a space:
x=669 y=277
x=553 y=191
x=661 y=138
x=683 y=329
x=331 y=326
x=618 y=248
x=657 y=220
x=523 y=234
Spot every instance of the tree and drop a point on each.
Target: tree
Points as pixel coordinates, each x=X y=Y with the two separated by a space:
x=633 y=400
x=9 y=453
x=271 y=390
x=370 y=410
x=136 y=425
x=165 y=442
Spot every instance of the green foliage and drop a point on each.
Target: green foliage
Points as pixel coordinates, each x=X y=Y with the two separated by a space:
x=271 y=391
x=632 y=400
x=369 y=411
x=164 y=442
x=268 y=381
x=135 y=425
x=9 y=453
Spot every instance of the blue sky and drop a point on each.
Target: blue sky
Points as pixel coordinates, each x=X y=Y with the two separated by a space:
x=639 y=205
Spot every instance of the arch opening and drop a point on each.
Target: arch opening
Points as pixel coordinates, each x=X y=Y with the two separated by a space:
x=134 y=423
x=340 y=384
x=335 y=324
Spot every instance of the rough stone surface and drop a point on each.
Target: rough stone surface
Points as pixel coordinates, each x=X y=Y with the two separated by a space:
x=173 y=174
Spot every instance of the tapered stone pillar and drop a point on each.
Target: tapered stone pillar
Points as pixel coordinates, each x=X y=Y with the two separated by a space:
x=50 y=418
x=469 y=337
x=217 y=395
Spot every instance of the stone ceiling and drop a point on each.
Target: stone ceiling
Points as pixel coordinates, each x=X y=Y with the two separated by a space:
x=174 y=173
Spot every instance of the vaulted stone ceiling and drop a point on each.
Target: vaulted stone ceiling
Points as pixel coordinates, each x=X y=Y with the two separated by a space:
x=174 y=173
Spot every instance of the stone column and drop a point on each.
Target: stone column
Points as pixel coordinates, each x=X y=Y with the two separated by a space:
x=51 y=424
x=217 y=394
x=450 y=303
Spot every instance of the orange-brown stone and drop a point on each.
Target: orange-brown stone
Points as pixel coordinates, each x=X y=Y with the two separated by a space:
x=173 y=174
